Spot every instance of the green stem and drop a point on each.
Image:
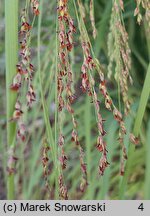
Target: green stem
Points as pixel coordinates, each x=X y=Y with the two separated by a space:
x=136 y=131
x=143 y=103
x=147 y=171
x=45 y=109
x=44 y=105
x=56 y=113
x=11 y=50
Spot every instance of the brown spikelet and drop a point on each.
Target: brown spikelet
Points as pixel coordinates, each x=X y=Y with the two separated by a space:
x=11 y=164
x=45 y=162
x=63 y=192
x=35 y=7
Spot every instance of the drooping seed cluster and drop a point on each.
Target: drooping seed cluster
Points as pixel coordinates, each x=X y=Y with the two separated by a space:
x=89 y=65
x=88 y=85
x=142 y=4
x=24 y=75
x=118 y=117
x=24 y=70
x=119 y=53
x=66 y=29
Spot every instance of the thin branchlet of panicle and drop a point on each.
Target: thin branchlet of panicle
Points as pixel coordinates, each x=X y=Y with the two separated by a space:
x=119 y=52
x=63 y=192
x=66 y=97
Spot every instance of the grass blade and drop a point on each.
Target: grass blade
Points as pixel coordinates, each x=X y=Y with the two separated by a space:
x=137 y=125
x=11 y=48
x=147 y=173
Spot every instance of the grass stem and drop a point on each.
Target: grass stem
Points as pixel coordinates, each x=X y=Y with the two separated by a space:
x=88 y=144
x=45 y=109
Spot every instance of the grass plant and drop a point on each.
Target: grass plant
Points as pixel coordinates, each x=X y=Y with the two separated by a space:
x=86 y=136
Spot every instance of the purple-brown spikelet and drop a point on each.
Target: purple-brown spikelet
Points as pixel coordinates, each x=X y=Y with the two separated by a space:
x=63 y=158
x=35 y=7
x=45 y=162
x=12 y=159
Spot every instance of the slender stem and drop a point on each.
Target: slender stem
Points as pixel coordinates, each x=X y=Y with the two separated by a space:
x=11 y=50
x=56 y=109
x=88 y=144
x=136 y=130
x=44 y=105
x=45 y=110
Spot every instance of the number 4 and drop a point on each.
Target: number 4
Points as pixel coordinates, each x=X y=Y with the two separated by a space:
x=141 y=207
